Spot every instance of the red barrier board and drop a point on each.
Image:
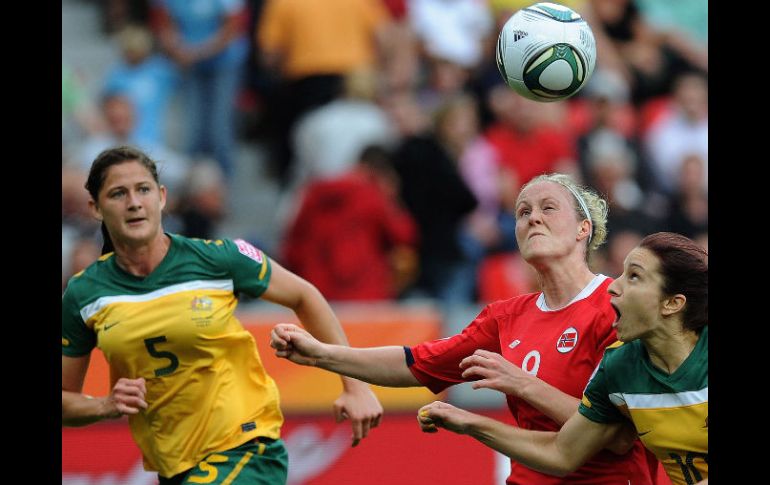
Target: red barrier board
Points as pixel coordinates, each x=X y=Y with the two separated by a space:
x=319 y=454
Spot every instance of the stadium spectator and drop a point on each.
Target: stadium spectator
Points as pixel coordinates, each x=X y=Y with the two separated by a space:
x=160 y=307
x=567 y=326
x=650 y=60
x=328 y=140
x=203 y=203
x=488 y=228
x=310 y=47
x=119 y=115
x=80 y=253
x=680 y=130
x=655 y=377
x=149 y=80
x=612 y=165
x=77 y=224
x=528 y=147
x=618 y=246
x=208 y=42
x=453 y=38
x=455 y=31
x=348 y=230
x=689 y=211
x=437 y=197
x=79 y=114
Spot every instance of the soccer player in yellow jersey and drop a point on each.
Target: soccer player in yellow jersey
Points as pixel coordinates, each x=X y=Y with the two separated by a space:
x=160 y=306
x=656 y=376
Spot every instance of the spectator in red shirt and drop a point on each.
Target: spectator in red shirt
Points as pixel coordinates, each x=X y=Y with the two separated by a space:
x=350 y=237
x=527 y=146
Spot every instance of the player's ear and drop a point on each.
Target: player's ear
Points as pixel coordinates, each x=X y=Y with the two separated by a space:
x=673 y=304
x=96 y=213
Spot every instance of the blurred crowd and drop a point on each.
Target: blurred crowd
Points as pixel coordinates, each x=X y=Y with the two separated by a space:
x=398 y=150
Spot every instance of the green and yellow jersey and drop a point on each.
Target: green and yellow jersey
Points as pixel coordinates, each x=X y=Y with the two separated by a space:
x=206 y=387
x=670 y=411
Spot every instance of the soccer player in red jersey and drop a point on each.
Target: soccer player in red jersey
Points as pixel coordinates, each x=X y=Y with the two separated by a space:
x=539 y=349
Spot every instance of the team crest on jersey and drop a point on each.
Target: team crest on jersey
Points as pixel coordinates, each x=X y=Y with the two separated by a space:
x=567 y=341
x=201 y=304
x=248 y=250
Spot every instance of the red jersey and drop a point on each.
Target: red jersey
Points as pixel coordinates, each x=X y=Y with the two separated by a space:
x=561 y=347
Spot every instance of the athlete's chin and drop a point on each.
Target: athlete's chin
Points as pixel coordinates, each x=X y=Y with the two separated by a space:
x=625 y=335
x=623 y=338
x=537 y=254
x=139 y=235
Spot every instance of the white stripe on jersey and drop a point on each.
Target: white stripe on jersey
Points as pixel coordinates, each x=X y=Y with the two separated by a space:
x=90 y=310
x=668 y=400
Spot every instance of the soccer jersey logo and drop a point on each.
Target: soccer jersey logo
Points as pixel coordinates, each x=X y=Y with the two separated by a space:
x=567 y=341
x=248 y=250
x=201 y=304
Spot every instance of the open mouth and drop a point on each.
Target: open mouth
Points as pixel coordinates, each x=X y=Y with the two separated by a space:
x=135 y=221
x=617 y=311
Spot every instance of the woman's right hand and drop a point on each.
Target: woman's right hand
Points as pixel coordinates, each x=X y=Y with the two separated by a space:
x=491 y=370
x=127 y=397
x=295 y=344
x=439 y=414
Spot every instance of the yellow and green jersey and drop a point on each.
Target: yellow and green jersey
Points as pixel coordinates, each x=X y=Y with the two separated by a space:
x=206 y=387
x=670 y=411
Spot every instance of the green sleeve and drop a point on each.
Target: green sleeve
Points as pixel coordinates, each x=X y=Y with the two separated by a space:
x=249 y=266
x=77 y=339
x=596 y=404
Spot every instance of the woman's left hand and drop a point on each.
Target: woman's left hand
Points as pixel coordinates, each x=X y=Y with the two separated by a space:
x=361 y=406
x=493 y=371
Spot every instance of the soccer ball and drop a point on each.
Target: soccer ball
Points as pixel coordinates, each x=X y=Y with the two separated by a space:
x=546 y=52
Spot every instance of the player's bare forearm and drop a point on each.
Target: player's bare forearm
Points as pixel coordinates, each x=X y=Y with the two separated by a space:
x=536 y=449
x=376 y=366
x=318 y=318
x=549 y=400
x=549 y=452
x=382 y=366
x=126 y=397
x=80 y=410
x=493 y=371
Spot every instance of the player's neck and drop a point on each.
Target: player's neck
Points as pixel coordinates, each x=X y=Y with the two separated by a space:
x=668 y=349
x=141 y=260
x=560 y=285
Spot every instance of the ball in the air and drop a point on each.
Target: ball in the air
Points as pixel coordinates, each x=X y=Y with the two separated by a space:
x=546 y=52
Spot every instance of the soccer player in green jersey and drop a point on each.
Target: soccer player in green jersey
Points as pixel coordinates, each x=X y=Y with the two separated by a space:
x=656 y=376
x=183 y=369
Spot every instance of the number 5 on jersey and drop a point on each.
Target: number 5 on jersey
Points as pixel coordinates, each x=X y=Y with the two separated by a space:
x=150 y=343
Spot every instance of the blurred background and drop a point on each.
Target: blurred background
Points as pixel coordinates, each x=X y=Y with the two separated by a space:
x=371 y=147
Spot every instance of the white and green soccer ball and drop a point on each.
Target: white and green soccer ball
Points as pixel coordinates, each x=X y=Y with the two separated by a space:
x=546 y=52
